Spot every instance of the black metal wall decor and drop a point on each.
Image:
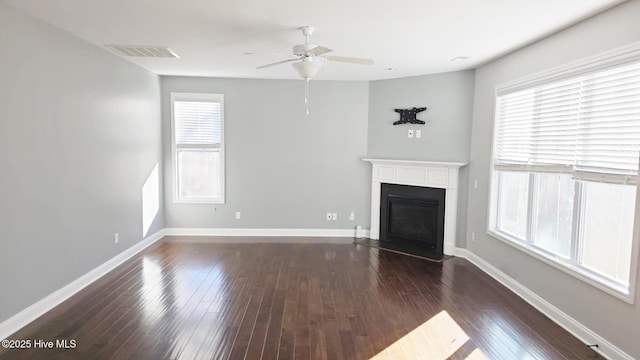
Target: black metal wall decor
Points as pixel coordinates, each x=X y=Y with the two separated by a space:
x=408 y=116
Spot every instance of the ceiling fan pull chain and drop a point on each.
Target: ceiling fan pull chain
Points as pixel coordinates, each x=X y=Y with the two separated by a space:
x=306 y=93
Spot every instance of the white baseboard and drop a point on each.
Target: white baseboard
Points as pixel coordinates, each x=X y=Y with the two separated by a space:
x=460 y=252
x=338 y=233
x=584 y=334
x=31 y=313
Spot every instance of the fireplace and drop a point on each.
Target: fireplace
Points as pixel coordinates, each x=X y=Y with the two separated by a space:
x=413 y=217
x=441 y=176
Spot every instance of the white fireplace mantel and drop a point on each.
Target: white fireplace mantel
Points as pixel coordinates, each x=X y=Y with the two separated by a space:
x=442 y=175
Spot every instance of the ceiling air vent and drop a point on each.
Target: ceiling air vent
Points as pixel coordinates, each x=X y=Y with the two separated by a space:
x=143 y=51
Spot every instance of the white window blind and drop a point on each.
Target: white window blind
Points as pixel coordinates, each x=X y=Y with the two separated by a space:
x=587 y=125
x=198 y=122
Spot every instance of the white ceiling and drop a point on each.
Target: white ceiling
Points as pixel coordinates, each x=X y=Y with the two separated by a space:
x=415 y=36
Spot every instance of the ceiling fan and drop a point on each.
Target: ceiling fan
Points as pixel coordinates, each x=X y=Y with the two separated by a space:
x=308 y=59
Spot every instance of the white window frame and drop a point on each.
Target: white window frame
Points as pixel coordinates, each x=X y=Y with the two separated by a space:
x=571 y=267
x=174 y=148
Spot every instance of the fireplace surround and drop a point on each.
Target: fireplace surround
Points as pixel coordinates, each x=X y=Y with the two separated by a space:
x=428 y=174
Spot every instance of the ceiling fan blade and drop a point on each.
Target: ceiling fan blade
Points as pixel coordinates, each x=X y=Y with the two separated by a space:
x=319 y=50
x=277 y=63
x=270 y=54
x=351 y=60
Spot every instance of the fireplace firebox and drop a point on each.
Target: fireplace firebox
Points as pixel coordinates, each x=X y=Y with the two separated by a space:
x=412 y=219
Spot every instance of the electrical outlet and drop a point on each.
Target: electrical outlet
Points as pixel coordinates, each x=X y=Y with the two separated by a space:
x=116 y=238
x=329 y=216
x=238 y=215
x=410 y=134
x=475 y=184
x=473 y=236
x=334 y=216
x=352 y=216
x=418 y=134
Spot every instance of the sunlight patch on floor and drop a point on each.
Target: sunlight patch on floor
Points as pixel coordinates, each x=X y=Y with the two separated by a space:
x=151 y=292
x=436 y=339
x=477 y=354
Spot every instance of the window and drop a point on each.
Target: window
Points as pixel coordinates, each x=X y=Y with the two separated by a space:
x=565 y=168
x=198 y=147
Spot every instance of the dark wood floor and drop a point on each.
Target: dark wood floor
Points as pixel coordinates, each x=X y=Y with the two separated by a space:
x=296 y=301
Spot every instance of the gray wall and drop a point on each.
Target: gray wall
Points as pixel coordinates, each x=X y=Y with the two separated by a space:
x=613 y=319
x=79 y=134
x=284 y=169
x=446 y=134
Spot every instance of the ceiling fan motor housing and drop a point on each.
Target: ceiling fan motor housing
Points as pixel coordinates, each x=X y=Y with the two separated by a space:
x=303 y=49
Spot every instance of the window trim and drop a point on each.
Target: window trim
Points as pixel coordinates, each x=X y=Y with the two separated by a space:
x=592 y=278
x=174 y=148
x=608 y=59
x=570 y=265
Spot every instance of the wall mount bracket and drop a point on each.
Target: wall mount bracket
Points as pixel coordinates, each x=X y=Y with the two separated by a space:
x=408 y=116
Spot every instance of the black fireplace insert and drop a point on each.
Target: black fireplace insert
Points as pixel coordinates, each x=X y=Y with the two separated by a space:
x=412 y=217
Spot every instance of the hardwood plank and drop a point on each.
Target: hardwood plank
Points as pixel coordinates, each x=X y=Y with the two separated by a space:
x=288 y=327
x=302 y=344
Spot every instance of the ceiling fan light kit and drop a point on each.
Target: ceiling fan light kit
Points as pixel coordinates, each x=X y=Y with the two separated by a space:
x=308 y=69
x=309 y=59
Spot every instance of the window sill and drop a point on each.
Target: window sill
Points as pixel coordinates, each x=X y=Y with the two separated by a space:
x=610 y=287
x=199 y=201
